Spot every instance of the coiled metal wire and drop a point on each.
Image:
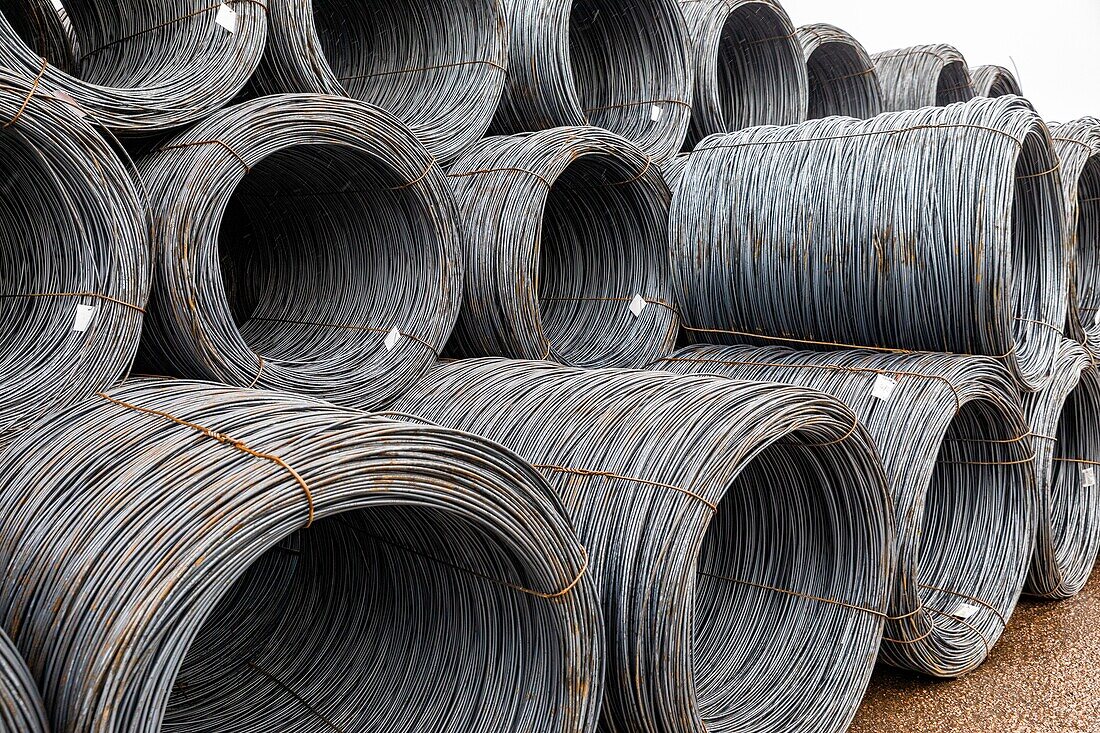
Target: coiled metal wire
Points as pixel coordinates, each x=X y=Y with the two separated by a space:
x=1065 y=419
x=566 y=250
x=672 y=169
x=45 y=29
x=748 y=66
x=438 y=66
x=994 y=81
x=192 y=557
x=304 y=243
x=739 y=533
x=143 y=65
x=937 y=229
x=1078 y=146
x=842 y=77
x=20 y=703
x=74 y=263
x=923 y=76
x=957 y=454
x=617 y=64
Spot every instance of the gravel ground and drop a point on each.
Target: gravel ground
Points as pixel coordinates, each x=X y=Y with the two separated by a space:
x=1043 y=677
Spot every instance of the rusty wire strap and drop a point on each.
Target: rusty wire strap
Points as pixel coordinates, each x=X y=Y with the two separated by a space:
x=748 y=66
x=949 y=431
x=938 y=229
x=922 y=76
x=994 y=81
x=20 y=702
x=1065 y=417
x=739 y=533
x=1078 y=146
x=566 y=250
x=74 y=275
x=438 y=65
x=617 y=64
x=164 y=575
x=116 y=69
x=842 y=76
x=304 y=243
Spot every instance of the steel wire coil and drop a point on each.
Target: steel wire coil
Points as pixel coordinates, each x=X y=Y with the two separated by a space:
x=739 y=533
x=932 y=75
x=672 y=169
x=1078 y=146
x=145 y=65
x=956 y=449
x=842 y=76
x=617 y=64
x=45 y=29
x=304 y=243
x=437 y=66
x=20 y=703
x=748 y=66
x=994 y=81
x=566 y=250
x=74 y=262
x=930 y=230
x=186 y=556
x=1065 y=419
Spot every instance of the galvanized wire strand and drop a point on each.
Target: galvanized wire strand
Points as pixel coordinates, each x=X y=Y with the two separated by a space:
x=994 y=81
x=566 y=250
x=148 y=65
x=438 y=66
x=187 y=557
x=617 y=64
x=739 y=532
x=748 y=66
x=1078 y=146
x=931 y=75
x=842 y=77
x=956 y=450
x=938 y=229
x=74 y=261
x=21 y=708
x=1065 y=417
x=304 y=243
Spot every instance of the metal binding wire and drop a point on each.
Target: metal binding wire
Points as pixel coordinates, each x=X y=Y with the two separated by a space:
x=20 y=703
x=842 y=77
x=748 y=66
x=1078 y=146
x=994 y=81
x=323 y=256
x=74 y=274
x=923 y=76
x=143 y=66
x=938 y=229
x=438 y=66
x=163 y=578
x=739 y=533
x=617 y=64
x=1065 y=418
x=566 y=250
x=957 y=454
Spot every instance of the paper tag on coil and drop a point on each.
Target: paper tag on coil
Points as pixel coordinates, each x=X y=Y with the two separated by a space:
x=68 y=99
x=1088 y=476
x=655 y=113
x=392 y=338
x=84 y=316
x=226 y=18
x=883 y=388
x=964 y=611
x=638 y=305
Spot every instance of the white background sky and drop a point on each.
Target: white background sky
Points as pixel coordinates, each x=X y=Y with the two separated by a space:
x=1055 y=43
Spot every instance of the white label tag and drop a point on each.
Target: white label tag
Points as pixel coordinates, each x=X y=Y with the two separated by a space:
x=392 y=338
x=638 y=305
x=84 y=316
x=655 y=113
x=57 y=5
x=226 y=18
x=1088 y=477
x=68 y=99
x=964 y=611
x=883 y=388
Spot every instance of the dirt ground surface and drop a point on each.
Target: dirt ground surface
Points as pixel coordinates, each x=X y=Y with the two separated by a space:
x=1043 y=677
